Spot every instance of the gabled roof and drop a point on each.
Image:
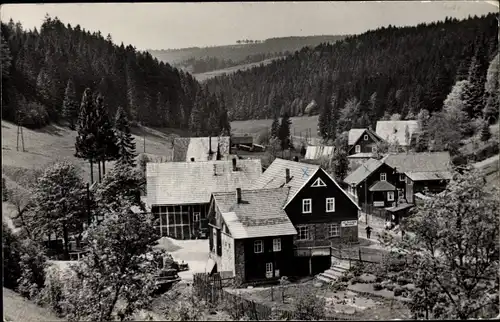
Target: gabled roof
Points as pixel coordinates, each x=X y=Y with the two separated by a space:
x=198 y=148
x=355 y=135
x=419 y=162
x=316 y=152
x=382 y=186
x=395 y=130
x=260 y=213
x=274 y=176
x=177 y=183
x=300 y=174
x=364 y=170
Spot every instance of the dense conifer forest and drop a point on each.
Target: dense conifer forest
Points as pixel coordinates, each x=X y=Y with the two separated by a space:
x=44 y=70
x=384 y=71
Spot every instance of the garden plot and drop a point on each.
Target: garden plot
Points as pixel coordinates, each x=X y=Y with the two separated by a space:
x=192 y=252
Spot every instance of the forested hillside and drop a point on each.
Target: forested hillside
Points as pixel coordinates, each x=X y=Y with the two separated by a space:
x=44 y=70
x=238 y=53
x=384 y=71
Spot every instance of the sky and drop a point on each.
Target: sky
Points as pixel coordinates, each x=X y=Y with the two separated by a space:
x=180 y=25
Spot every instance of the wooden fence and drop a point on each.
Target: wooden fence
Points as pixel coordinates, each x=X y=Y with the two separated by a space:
x=359 y=254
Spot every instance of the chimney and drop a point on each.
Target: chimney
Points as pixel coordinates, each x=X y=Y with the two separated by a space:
x=215 y=169
x=209 y=145
x=192 y=159
x=287 y=175
x=234 y=165
x=238 y=195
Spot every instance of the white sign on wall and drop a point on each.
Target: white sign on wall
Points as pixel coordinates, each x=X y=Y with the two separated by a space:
x=349 y=223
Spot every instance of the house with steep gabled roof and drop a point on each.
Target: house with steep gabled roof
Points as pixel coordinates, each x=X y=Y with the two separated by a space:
x=397 y=133
x=178 y=193
x=362 y=141
x=252 y=236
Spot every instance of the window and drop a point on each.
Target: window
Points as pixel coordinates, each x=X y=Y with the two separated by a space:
x=330 y=204
x=269 y=270
x=333 y=230
x=390 y=195
x=303 y=233
x=400 y=194
x=383 y=176
x=276 y=244
x=258 y=246
x=409 y=182
x=357 y=148
x=306 y=206
x=374 y=149
x=196 y=216
x=318 y=183
x=365 y=137
x=402 y=177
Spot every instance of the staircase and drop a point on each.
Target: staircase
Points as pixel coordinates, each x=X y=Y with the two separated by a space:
x=338 y=268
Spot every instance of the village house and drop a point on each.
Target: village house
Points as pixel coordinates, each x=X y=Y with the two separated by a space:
x=392 y=183
x=252 y=236
x=241 y=141
x=398 y=134
x=201 y=149
x=320 y=211
x=178 y=193
x=427 y=171
x=362 y=141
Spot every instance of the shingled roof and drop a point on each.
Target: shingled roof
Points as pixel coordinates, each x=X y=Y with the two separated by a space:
x=198 y=148
x=176 y=183
x=391 y=131
x=274 y=176
x=259 y=214
x=382 y=186
x=362 y=172
x=419 y=162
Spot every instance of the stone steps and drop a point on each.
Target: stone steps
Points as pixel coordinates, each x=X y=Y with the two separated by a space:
x=331 y=274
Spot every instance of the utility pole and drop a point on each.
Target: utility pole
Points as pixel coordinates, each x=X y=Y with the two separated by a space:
x=19 y=132
x=144 y=143
x=89 y=219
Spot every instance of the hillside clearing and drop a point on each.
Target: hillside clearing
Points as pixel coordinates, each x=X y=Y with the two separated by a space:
x=16 y=308
x=54 y=142
x=300 y=125
x=204 y=76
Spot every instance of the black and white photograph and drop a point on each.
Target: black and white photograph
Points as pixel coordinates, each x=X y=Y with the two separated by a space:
x=235 y=161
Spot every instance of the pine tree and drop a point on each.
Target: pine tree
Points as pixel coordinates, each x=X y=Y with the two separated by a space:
x=107 y=148
x=474 y=92
x=324 y=121
x=492 y=91
x=224 y=124
x=334 y=117
x=70 y=105
x=284 y=132
x=125 y=141
x=86 y=141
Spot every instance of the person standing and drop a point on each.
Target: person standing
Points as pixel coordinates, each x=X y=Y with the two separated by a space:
x=368 y=231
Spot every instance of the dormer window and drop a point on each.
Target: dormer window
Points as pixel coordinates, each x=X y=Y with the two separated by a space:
x=383 y=176
x=402 y=177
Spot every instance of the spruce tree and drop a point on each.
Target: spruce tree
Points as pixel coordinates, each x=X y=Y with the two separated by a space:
x=275 y=126
x=284 y=131
x=224 y=124
x=334 y=116
x=86 y=144
x=324 y=121
x=107 y=149
x=474 y=92
x=70 y=105
x=125 y=141
x=492 y=91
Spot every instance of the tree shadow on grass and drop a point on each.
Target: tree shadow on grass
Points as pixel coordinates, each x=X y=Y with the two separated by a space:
x=50 y=129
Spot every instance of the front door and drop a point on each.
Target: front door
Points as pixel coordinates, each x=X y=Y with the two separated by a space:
x=269 y=270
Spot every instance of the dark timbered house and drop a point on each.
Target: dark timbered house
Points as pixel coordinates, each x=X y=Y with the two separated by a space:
x=362 y=141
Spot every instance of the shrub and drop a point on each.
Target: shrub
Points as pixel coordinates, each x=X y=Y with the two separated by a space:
x=402 y=281
x=33 y=263
x=263 y=137
x=390 y=287
x=398 y=291
x=338 y=286
x=308 y=306
x=345 y=278
x=11 y=258
x=377 y=287
x=379 y=279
